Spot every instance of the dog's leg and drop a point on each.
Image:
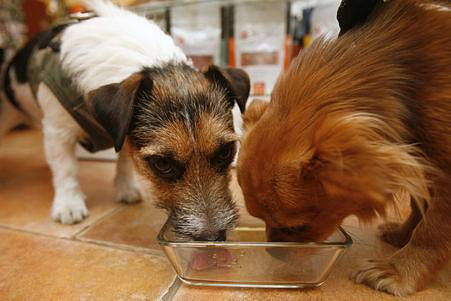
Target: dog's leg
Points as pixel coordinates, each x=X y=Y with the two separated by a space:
x=60 y=137
x=126 y=188
x=398 y=234
x=410 y=268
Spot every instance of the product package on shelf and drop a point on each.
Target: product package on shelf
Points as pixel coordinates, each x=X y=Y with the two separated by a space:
x=161 y=17
x=324 y=19
x=298 y=29
x=306 y=23
x=259 y=42
x=197 y=30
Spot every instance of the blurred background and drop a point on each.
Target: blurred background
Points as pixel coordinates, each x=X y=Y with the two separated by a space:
x=260 y=36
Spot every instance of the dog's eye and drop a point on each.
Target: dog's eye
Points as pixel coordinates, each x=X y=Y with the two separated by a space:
x=223 y=156
x=225 y=152
x=165 y=167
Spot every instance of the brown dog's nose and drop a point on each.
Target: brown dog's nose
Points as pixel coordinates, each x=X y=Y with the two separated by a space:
x=211 y=236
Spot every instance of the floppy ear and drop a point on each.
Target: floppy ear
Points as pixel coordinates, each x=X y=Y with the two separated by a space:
x=112 y=105
x=253 y=113
x=235 y=81
x=362 y=161
x=352 y=13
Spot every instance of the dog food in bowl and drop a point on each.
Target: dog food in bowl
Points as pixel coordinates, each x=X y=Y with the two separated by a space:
x=247 y=260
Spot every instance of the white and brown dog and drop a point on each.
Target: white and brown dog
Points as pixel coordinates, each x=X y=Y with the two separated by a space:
x=118 y=80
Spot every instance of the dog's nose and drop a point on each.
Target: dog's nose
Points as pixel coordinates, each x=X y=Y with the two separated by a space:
x=221 y=236
x=211 y=236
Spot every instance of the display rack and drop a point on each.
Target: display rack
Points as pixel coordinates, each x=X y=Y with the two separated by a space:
x=261 y=37
x=158 y=5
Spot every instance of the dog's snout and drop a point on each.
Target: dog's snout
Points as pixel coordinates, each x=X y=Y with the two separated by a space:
x=211 y=236
x=221 y=236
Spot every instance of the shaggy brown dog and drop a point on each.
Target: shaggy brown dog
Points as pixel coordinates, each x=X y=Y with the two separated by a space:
x=353 y=123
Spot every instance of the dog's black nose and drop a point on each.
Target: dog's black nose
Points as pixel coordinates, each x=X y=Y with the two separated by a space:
x=221 y=236
x=211 y=236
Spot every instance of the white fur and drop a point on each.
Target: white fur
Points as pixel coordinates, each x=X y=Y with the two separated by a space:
x=126 y=189
x=60 y=138
x=110 y=48
x=94 y=53
x=61 y=133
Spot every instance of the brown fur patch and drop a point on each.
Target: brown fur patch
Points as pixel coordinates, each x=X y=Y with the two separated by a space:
x=183 y=141
x=352 y=123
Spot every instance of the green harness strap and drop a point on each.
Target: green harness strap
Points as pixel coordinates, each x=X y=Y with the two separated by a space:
x=45 y=67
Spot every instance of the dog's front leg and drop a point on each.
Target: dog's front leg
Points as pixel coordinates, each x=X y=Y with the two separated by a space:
x=410 y=268
x=68 y=202
x=398 y=234
x=126 y=186
x=60 y=137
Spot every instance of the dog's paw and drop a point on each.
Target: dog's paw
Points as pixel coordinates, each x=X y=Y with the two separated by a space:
x=383 y=276
x=69 y=210
x=128 y=194
x=394 y=234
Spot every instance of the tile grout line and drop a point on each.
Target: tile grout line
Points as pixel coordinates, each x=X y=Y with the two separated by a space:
x=95 y=243
x=123 y=247
x=9 y=228
x=100 y=219
x=171 y=291
x=72 y=236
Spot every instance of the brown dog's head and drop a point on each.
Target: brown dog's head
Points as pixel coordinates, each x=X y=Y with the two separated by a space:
x=279 y=178
x=328 y=145
x=177 y=125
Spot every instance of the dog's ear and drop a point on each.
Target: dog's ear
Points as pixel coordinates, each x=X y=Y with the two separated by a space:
x=357 y=161
x=253 y=113
x=352 y=13
x=112 y=105
x=235 y=81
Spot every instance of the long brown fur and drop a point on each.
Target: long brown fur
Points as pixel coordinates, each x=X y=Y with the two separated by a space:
x=352 y=124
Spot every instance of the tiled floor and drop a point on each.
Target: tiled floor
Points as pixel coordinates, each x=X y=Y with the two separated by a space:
x=113 y=254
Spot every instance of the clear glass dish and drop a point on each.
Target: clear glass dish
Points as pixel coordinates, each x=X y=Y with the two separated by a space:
x=247 y=260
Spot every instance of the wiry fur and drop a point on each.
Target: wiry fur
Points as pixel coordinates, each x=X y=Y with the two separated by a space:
x=354 y=122
x=139 y=86
x=166 y=124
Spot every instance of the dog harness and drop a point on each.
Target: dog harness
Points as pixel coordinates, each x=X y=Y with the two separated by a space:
x=39 y=62
x=45 y=67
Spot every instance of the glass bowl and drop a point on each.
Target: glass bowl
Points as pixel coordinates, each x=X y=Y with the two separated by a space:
x=247 y=260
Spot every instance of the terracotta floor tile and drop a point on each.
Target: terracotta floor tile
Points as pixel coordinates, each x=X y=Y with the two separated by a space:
x=134 y=226
x=26 y=190
x=59 y=269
